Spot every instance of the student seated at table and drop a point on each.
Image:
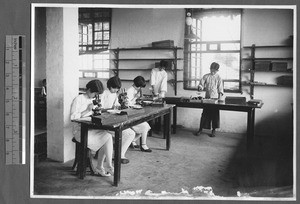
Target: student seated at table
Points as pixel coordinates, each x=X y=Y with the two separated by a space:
x=81 y=107
x=134 y=93
x=212 y=84
x=109 y=100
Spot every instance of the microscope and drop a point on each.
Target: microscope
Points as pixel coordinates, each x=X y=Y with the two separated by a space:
x=97 y=104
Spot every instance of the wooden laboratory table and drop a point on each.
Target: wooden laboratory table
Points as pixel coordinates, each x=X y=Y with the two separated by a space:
x=121 y=123
x=249 y=108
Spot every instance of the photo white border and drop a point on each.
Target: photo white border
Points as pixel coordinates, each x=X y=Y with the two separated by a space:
x=161 y=6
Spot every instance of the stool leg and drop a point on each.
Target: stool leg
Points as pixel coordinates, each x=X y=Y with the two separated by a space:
x=76 y=156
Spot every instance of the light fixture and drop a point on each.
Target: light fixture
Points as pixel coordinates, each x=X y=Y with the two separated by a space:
x=189 y=21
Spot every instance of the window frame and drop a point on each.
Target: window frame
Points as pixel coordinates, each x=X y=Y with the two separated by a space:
x=88 y=17
x=196 y=41
x=93 y=19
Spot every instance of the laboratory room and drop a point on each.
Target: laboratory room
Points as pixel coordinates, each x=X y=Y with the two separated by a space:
x=163 y=102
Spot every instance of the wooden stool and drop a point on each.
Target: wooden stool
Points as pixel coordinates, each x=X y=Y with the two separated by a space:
x=78 y=156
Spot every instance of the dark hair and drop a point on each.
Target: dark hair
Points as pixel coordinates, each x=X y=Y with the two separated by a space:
x=215 y=66
x=164 y=63
x=95 y=86
x=139 y=81
x=114 y=82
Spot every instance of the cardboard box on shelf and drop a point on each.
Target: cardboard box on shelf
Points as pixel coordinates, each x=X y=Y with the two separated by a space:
x=279 y=66
x=163 y=43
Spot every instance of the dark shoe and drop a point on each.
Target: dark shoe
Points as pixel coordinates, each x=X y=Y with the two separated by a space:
x=124 y=161
x=213 y=133
x=145 y=150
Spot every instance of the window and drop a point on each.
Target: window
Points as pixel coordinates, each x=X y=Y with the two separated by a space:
x=214 y=36
x=94 y=38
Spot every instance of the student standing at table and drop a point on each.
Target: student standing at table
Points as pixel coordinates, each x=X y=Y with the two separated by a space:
x=159 y=84
x=109 y=100
x=159 y=79
x=81 y=107
x=212 y=84
x=141 y=130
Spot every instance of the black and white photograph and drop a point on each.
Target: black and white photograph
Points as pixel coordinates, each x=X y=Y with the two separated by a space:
x=163 y=102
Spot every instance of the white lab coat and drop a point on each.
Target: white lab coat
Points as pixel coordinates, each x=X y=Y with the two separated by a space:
x=80 y=104
x=134 y=94
x=108 y=101
x=158 y=79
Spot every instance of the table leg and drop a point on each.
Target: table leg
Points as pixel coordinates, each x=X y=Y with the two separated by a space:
x=174 y=119
x=117 y=156
x=167 y=128
x=250 y=128
x=83 y=151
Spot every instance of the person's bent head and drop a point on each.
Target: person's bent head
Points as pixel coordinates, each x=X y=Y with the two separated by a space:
x=94 y=88
x=214 y=68
x=163 y=64
x=139 y=82
x=114 y=84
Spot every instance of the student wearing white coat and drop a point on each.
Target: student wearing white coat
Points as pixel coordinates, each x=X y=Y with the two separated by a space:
x=159 y=79
x=109 y=100
x=133 y=93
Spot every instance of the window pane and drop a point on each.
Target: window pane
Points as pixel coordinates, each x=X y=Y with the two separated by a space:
x=80 y=39
x=105 y=35
x=80 y=28
x=106 y=26
x=90 y=31
x=216 y=28
x=213 y=47
x=229 y=64
x=230 y=46
x=98 y=26
x=98 y=36
x=231 y=85
x=98 y=14
x=86 y=15
x=84 y=39
x=89 y=74
x=85 y=30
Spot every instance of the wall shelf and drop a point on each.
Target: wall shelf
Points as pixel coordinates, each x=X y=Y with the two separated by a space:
x=131 y=80
x=267 y=67
x=173 y=60
x=146 y=59
x=264 y=84
x=268 y=59
x=275 y=71
x=269 y=46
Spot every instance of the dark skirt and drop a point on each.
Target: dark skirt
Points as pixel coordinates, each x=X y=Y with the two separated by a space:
x=210 y=118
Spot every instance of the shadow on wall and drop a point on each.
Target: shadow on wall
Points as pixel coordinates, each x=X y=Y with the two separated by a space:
x=269 y=163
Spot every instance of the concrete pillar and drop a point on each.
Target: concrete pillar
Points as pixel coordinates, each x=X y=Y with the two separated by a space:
x=62 y=79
